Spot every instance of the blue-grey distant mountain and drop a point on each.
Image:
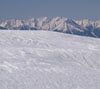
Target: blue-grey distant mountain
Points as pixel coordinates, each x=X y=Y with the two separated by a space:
x=59 y=24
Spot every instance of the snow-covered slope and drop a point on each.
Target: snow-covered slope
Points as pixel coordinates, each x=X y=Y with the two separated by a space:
x=59 y=24
x=48 y=60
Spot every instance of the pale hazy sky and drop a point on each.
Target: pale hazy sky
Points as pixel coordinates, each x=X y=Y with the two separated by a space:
x=24 y=9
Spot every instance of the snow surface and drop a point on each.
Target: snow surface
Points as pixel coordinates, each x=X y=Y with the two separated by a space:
x=48 y=60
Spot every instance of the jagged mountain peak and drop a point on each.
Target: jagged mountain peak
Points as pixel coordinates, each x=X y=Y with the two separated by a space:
x=61 y=24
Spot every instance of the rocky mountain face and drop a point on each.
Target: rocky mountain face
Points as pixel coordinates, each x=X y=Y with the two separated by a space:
x=59 y=24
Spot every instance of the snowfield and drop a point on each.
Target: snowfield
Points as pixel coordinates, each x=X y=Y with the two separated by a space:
x=48 y=60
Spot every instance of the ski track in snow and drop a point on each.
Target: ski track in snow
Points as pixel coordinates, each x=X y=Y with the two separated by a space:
x=48 y=60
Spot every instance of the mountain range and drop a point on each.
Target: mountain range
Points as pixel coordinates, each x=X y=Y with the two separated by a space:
x=58 y=24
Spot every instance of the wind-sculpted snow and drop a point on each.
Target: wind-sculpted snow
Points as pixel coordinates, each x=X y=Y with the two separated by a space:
x=48 y=60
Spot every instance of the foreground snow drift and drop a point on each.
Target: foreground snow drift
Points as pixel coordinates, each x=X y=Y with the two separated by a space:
x=48 y=60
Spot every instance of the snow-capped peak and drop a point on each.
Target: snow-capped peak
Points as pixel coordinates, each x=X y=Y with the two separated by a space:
x=62 y=24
